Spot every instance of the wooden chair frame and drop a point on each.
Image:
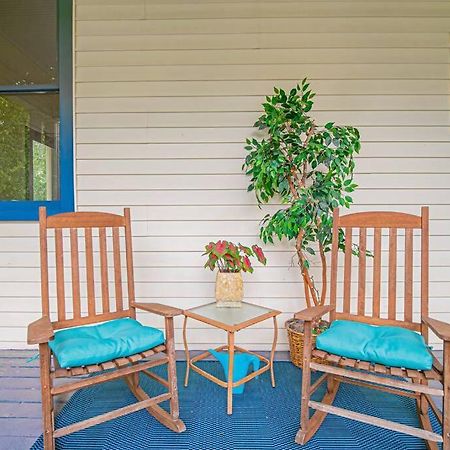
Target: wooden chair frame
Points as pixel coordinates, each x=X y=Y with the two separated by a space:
x=42 y=331
x=410 y=383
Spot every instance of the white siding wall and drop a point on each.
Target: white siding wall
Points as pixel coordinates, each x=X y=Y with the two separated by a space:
x=165 y=94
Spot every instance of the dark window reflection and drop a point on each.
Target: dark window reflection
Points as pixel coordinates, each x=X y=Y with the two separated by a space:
x=28 y=44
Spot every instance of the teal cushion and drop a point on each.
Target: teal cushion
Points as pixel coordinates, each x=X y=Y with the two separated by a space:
x=390 y=346
x=95 y=344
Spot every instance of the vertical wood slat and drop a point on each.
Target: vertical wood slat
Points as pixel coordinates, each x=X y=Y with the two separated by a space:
x=89 y=270
x=104 y=269
x=392 y=278
x=129 y=258
x=334 y=262
x=424 y=261
x=59 y=259
x=44 y=261
x=117 y=270
x=75 y=267
x=409 y=274
x=362 y=271
x=347 y=269
x=376 y=272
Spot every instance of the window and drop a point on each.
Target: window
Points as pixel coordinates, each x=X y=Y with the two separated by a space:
x=36 y=148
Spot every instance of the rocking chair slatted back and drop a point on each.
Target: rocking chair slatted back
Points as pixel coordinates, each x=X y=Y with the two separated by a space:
x=368 y=227
x=97 y=229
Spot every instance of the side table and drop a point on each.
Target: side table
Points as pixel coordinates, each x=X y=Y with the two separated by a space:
x=230 y=320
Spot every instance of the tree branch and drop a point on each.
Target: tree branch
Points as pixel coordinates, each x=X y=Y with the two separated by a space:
x=304 y=270
x=324 y=274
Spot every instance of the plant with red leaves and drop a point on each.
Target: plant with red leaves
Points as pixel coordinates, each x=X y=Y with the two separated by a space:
x=229 y=257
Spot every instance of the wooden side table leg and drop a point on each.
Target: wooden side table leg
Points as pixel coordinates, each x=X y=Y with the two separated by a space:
x=230 y=372
x=186 y=351
x=272 y=353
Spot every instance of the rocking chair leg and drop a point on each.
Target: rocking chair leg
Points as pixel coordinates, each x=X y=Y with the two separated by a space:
x=306 y=385
x=309 y=425
x=446 y=405
x=47 y=400
x=422 y=411
x=172 y=369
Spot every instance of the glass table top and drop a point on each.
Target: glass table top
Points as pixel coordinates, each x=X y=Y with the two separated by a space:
x=230 y=316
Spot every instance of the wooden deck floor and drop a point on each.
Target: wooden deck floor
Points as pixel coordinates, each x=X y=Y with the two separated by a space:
x=20 y=403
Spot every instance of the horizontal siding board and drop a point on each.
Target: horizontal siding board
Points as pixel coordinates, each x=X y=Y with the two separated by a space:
x=248 y=71
x=218 y=181
x=220 y=26
x=254 y=40
x=260 y=56
x=259 y=88
x=242 y=119
x=235 y=150
x=234 y=134
x=150 y=10
x=246 y=102
x=367 y=198
x=234 y=167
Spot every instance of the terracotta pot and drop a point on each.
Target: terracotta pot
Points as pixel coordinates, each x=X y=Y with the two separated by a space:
x=229 y=289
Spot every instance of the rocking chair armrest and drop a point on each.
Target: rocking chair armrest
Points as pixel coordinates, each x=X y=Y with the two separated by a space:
x=313 y=313
x=40 y=331
x=158 y=308
x=441 y=329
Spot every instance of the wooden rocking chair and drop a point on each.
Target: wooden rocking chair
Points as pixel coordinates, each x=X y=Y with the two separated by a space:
x=99 y=309
x=409 y=383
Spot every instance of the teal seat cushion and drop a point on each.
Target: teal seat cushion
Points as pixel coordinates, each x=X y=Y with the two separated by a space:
x=390 y=346
x=95 y=344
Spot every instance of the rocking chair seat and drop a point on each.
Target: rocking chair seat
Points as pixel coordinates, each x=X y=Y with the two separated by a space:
x=85 y=345
x=390 y=346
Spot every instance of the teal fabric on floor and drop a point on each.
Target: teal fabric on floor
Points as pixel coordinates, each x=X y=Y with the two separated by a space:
x=241 y=365
x=263 y=418
x=390 y=346
x=95 y=344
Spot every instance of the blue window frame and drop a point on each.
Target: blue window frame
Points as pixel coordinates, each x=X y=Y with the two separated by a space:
x=19 y=210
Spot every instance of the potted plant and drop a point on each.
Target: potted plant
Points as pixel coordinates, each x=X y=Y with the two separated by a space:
x=310 y=170
x=231 y=260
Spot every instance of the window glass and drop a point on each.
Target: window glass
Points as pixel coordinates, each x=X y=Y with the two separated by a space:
x=28 y=42
x=29 y=147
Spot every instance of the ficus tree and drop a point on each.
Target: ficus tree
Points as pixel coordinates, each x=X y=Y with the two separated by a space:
x=310 y=169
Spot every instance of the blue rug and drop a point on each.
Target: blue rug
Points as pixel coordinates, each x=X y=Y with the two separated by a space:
x=263 y=417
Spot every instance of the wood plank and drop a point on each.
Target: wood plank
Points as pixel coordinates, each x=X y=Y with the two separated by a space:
x=110 y=415
x=408 y=309
x=387 y=424
x=376 y=379
x=392 y=295
x=104 y=269
x=376 y=272
x=362 y=271
x=89 y=249
x=379 y=321
x=117 y=270
x=364 y=365
x=129 y=258
x=397 y=372
x=75 y=266
x=424 y=275
x=347 y=269
x=59 y=257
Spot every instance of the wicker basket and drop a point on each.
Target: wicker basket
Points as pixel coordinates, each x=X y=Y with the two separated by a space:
x=296 y=339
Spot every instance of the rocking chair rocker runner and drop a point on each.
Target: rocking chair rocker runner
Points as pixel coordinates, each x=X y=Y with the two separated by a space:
x=396 y=380
x=127 y=366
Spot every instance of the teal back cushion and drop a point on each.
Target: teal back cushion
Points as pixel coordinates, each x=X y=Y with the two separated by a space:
x=390 y=346
x=95 y=344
